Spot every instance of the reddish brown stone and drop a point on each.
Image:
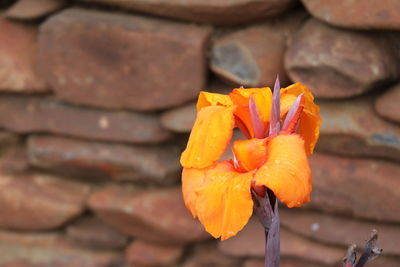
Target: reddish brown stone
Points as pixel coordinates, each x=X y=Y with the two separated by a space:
x=207 y=254
x=37 y=114
x=33 y=9
x=143 y=254
x=93 y=233
x=340 y=230
x=218 y=12
x=332 y=61
x=180 y=119
x=366 y=14
x=39 y=202
x=13 y=156
x=383 y=261
x=49 y=250
x=143 y=64
x=17 y=55
x=283 y=263
x=157 y=215
x=148 y=164
x=19 y=263
x=352 y=128
x=254 y=56
x=8 y=140
x=358 y=187
x=14 y=160
x=387 y=105
x=250 y=243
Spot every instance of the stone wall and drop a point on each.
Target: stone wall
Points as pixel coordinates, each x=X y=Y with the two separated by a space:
x=97 y=99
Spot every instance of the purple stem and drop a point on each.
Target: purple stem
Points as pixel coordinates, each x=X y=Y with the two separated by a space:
x=270 y=220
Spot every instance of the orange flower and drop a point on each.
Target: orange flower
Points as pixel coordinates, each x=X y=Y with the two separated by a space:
x=282 y=129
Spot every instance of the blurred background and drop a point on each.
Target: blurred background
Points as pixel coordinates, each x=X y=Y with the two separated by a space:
x=98 y=97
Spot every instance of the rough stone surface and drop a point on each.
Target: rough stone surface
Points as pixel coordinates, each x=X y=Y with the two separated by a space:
x=143 y=64
x=340 y=230
x=366 y=14
x=157 y=215
x=358 y=187
x=180 y=119
x=283 y=263
x=338 y=63
x=147 y=164
x=33 y=9
x=93 y=233
x=250 y=243
x=210 y=11
x=17 y=58
x=352 y=128
x=387 y=105
x=39 y=202
x=14 y=160
x=254 y=56
x=8 y=140
x=207 y=254
x=34 y=114
x=49 y=250
x=144 y=254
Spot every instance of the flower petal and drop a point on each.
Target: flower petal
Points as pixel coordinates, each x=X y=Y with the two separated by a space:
x=193 y=179
x=224 y=205
x=262 y=98
x=310 y=119
x=287 y=172
x=210 y=136
x=251 y=154
x=213 y=99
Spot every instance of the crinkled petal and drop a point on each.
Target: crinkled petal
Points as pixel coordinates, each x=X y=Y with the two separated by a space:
x=224 y=204
x=210 y=136
x=251 y=154
x=193 y=179
x=310 y=119
x=287 y=172
x=263 y=100
x=213 y=99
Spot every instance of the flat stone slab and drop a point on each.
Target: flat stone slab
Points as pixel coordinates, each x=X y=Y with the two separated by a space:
x=143 y=64
x=39 y=202
x=41 y=114
x=352 y=128
x=102 y=161
x=332 y=61
x=216 y=12
x=157 y=215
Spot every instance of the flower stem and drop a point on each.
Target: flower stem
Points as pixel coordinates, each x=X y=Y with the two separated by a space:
x=269 y=218
x=272 y=240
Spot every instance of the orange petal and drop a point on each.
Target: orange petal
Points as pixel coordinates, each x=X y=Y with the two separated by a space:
x=210 y=136
x=193 y=179
x=310 y=119
x=309 y=129
x=224 y=205
x=263 y=99
x=212 y=99
x=251 y=154
x=287 y=172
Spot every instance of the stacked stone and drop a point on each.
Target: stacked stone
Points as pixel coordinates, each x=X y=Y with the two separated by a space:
x=97 y=100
